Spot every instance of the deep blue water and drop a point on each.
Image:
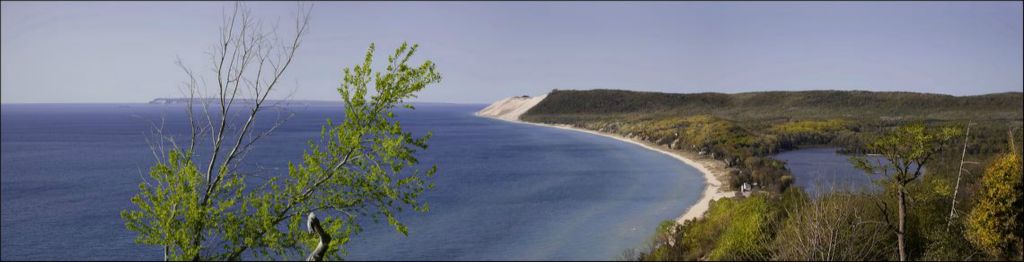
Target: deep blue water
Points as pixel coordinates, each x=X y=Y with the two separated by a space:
x=819 y=170
x=503 y=190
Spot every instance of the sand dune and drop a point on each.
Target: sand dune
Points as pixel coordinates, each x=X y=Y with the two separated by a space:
x=510 y=108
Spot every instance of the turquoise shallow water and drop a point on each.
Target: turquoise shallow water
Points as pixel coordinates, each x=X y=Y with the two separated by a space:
x=503 y=190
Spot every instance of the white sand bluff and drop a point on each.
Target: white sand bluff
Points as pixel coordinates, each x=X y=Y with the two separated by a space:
x=510 y=108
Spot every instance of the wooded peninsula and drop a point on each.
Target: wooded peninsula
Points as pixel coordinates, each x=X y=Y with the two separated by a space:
x=966 y=208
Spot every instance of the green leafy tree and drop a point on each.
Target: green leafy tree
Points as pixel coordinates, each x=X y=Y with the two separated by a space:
x=908 y=149
x=365 y=166
x=994 y=224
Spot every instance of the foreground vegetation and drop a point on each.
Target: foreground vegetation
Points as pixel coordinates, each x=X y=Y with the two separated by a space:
x=915 y=217
x=857 y=225
x=200 y=204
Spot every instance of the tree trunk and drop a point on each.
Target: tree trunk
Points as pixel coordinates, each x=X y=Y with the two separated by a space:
x=325 y=239
x=321 y=249
x=959 y=173
x=902 y=216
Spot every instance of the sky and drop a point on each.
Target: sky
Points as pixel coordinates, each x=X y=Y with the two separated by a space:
x=93 y=52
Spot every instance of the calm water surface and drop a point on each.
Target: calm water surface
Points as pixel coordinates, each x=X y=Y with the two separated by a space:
x=819 y=170
x=503 y=190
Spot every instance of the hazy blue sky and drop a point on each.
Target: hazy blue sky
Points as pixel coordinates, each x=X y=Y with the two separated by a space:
x=124 y=52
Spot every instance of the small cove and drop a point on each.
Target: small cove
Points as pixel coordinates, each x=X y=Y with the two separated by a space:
x=819 y=170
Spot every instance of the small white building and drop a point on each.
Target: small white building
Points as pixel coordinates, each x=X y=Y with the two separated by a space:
x=745 y=189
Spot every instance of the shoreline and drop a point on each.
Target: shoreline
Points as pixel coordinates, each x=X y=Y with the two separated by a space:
x=713 y=171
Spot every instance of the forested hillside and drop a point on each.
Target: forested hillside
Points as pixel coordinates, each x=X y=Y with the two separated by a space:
x=784 y=104
x=780 y=222
x=744 y=129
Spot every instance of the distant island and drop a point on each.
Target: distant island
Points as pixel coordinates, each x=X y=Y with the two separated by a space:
x=185 y=100
x=269 y=102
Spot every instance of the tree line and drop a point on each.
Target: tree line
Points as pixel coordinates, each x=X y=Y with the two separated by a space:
x=965 y=208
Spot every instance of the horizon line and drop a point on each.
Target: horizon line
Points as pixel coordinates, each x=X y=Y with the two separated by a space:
x=554 y=89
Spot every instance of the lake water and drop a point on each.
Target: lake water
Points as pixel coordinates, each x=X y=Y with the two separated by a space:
x=503 y=190
x=819 y=170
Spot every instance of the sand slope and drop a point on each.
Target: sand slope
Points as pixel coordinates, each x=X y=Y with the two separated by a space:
x=509 y=109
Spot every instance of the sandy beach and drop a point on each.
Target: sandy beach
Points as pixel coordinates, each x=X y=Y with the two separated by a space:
x=714 y=171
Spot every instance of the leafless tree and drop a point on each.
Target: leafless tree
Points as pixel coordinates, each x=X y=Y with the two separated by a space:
x=834 y=227
x=959 y=174
x=248 y=64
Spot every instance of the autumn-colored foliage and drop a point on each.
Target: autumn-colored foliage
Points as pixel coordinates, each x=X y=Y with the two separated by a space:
x=994 y=225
